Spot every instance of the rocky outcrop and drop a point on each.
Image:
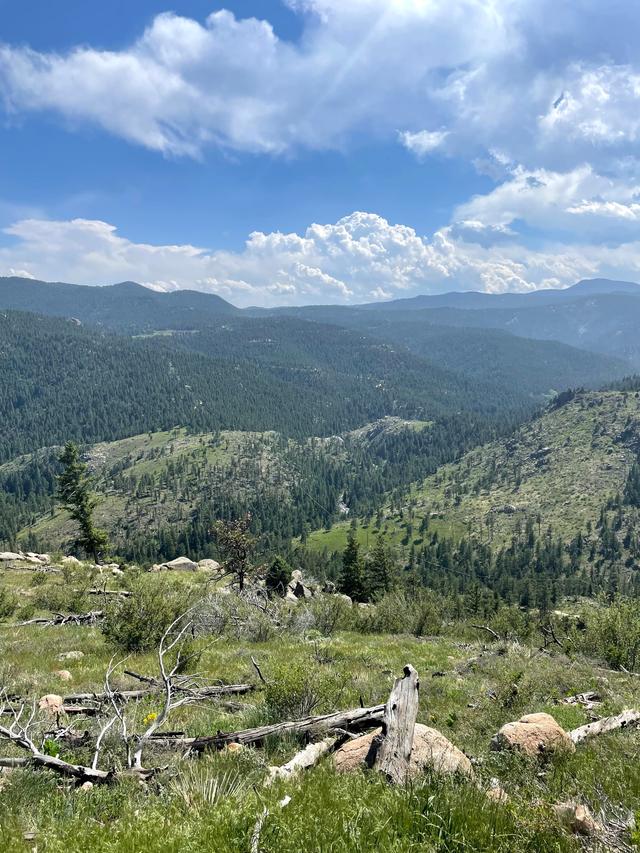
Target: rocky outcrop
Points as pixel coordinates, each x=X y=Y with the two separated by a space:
x=51 y=704
x=431 y=752
x=181 y=564
x=533 y=734
x=9 y=556
x=208 y=566
x=296 y=587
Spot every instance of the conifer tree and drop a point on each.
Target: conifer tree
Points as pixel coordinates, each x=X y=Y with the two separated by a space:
x=352 y=575
x=75 y=494
x=379 y=569
x=278 y=576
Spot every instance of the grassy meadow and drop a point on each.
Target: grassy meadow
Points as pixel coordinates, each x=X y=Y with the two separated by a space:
x=313 y=662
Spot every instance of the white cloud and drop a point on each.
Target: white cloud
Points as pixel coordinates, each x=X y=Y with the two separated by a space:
x=581 y=201
x=423 y=142
x=544 y=85
x=358 y=258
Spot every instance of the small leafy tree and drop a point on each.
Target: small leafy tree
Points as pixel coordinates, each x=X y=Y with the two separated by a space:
x=75 y=494
x=278 y=576
x=236 y=545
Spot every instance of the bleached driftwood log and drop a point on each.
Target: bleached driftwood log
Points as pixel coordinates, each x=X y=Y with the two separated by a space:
x=606 y=724
x=65 y=619
x=303 y=760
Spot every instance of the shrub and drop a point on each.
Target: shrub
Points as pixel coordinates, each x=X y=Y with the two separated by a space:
x=137 y=623
x=278 y=576
x=8 y=603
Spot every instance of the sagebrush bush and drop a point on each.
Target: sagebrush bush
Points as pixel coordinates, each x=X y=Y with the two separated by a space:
x=300 y=687
x=60 y=598
x=613 y=634
x=136 y=624
x=331 y=613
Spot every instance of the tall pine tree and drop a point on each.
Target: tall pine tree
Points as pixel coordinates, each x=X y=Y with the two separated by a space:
x=74 y=493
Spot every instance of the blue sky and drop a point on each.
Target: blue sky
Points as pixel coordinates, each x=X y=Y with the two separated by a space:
x=320 y=150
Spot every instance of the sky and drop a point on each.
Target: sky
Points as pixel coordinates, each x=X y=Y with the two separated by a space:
x=315 y=151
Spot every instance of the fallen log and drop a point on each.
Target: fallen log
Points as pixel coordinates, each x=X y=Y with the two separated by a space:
x=65 y=619
x=589 y=699
x=122 y=593
x=70 y=709
x=73 y=703
x=355 y=718
x=393 y=747
x=606 y=724
x=14 y=762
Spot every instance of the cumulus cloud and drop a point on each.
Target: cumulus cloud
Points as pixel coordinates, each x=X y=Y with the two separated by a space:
x=423 y=142
x=494 y=74
x=359 y=258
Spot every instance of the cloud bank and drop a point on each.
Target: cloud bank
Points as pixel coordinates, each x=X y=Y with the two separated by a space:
x=362 y=257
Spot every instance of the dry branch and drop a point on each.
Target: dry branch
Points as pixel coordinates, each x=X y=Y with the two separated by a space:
x=65 y=619
x=489 y=630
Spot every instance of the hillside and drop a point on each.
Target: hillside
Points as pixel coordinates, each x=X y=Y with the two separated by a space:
x=556 y=471
x=63 y=381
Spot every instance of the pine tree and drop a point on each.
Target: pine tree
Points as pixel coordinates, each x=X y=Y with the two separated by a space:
x=278 y=576
x=352 y=575
x=74 y=493
x=237 y=545
x=379 y=569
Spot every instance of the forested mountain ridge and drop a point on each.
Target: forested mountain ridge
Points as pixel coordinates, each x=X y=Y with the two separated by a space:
x=457 y=341
x=126 y=307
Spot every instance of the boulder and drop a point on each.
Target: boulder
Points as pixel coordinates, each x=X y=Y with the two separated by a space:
x=577 y=818
x=329 y=587
x=71 y=561
x=431 y=751
x=117 y=572
x=208 y=566
x=63 y=674
x=497 y=793
x=297 y=587
x=533 y=734
x=181 y=564
x=72 y=655
x=9 y=556
x=347 y=599
x=51 y=704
